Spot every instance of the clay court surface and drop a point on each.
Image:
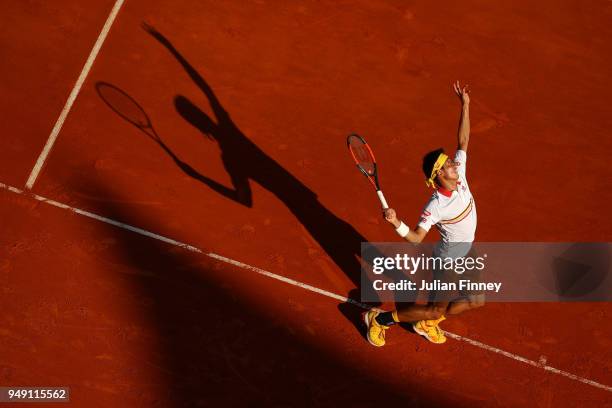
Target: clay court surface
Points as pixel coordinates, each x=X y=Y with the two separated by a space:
x=156 y=301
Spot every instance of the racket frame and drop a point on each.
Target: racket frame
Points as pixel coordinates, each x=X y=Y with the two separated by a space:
x=373 y=178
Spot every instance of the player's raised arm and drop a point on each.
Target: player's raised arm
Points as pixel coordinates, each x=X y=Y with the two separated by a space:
x=463 y=135
x=415 y=236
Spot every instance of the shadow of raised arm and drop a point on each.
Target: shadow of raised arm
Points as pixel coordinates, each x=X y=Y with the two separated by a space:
x=220 y=113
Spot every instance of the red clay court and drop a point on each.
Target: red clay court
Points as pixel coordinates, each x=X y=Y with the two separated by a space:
x=133 y=273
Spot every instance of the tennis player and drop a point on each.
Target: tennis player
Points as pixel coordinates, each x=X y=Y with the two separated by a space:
x=452 y=210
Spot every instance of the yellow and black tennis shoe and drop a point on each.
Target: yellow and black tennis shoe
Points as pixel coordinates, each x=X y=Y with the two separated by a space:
x=430 y=330
x=375 y=330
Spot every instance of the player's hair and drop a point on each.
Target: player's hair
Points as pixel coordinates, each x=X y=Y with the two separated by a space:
x=429 y=160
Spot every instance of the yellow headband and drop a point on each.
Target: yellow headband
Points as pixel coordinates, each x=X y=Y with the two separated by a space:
x=442 y=158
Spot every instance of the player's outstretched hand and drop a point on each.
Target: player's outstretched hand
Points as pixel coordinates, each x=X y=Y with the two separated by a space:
x=390 y=215
x=462 y=93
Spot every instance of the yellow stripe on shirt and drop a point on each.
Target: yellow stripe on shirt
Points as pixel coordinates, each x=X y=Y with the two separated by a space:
x=461 y=216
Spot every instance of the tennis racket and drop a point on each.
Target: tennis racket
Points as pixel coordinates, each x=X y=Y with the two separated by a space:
x=366 y=163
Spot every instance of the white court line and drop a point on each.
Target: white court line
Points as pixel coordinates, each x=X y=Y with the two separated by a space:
x=73 y=95
x=298 y=284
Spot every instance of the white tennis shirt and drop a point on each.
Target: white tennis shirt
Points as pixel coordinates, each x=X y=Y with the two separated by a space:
x=452 y=212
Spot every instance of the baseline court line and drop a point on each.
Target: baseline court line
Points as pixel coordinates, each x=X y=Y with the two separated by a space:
x=299 y=284
x=73 y=95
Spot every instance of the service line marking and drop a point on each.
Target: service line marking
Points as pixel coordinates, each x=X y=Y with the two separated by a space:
x=299 y=284
x=73 y=95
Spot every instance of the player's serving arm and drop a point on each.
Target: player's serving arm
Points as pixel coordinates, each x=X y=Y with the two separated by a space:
x=443 y=174
x=451 y=208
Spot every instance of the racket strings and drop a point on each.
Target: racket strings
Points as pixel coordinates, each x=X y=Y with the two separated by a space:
x=362 y=156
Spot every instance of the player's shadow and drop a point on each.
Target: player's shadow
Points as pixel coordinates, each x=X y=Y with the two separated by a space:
x=245 y=162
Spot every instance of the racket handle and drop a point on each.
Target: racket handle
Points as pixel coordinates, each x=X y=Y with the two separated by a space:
x=381 y=197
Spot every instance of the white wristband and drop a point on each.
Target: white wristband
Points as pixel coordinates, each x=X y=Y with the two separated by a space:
x=402 y=230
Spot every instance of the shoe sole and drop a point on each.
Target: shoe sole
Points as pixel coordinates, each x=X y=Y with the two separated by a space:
x=366 y=320
x=424 y=334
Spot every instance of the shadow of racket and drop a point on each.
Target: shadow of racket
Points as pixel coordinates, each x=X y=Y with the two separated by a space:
x=127 y=108
x=131 y=111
